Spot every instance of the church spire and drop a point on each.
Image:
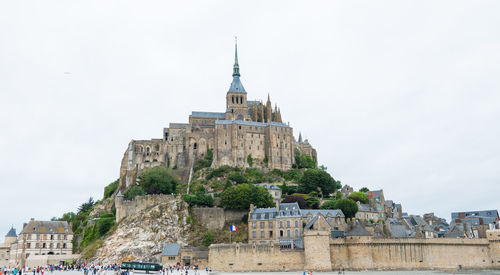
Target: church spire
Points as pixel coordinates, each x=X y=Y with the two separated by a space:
x=236 y=66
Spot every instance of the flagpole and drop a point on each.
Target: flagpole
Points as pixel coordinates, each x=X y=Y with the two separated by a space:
x=230 y=232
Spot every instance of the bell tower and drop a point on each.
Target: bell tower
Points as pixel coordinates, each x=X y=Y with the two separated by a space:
x=236 y=97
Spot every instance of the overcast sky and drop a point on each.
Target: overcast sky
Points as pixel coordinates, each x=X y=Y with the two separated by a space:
x=398 y=95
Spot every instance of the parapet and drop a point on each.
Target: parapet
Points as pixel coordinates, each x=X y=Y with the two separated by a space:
x=493 y=235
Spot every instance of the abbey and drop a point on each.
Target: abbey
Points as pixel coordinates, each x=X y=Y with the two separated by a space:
x=248 y=129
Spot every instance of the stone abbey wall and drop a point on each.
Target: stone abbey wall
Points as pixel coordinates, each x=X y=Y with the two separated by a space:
x=360 y=253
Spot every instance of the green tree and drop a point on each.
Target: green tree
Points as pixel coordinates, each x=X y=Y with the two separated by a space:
x=303 y=161
x=329 y=204
x=250 y=160
x=133 y=192
x=318 y=180
x=358 y=196
x=110 y=189
x=348 y=207
x=158 y=180
x=236 y=177
x=364 y=190
x=86 y=206
x=254 y=175
x=298 y=198
x=198 y=199
x=240 y=197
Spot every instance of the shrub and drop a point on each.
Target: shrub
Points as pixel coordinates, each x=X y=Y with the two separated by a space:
x=358 y=196
x=198 y=199
x=110 y=189
x=158 y=180
x=205 y=162
x=133 y=192
x=236 y=177
x=208 y=239
x=299 y=199
x=254 y=175
x=240 y=197
x=250 y=160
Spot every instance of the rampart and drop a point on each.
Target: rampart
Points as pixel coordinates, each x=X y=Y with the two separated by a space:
x=126 y=208
x=361 y=253
x=215 y=218
x=254 y=257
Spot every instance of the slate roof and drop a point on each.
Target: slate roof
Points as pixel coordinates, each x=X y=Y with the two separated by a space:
x=208 y=115
x=11 y=233
x=236 y=86
x=178 y=125
x=400 y=231
x=250 y=123
x=324 y=212
x=171 y=249
x=366 y=208
x=263 y=214
x=47 y=227
x=358 y=230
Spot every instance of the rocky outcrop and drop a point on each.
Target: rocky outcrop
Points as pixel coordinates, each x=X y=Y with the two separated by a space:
x=143 y=235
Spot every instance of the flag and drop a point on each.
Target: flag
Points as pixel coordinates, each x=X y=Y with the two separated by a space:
x=233 y=228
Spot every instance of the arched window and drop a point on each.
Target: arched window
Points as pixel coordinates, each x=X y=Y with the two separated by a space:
x=232 y=98
x=157 y=147
x=241 y=100
x=296 y=233
x=148 y=150
x=195 y=145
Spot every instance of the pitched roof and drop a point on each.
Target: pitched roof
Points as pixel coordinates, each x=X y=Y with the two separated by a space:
x=366 y=208
x=171 y=249
x=400 y=231
x=11 y=233
x=358 y=230
x=208 y=114
x=48 y=227
x=324 y=212
x=236 y=86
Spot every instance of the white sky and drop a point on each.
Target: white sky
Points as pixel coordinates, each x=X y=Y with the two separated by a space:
x=399 y=95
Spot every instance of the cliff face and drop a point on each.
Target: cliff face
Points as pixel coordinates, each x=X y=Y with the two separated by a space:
x=143 y=235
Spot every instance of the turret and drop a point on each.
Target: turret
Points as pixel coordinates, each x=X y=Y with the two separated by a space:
x=11 y=236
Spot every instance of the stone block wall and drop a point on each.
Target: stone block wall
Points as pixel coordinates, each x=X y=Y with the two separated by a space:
x=254 y=257
x=140 y=203
x=215 y=218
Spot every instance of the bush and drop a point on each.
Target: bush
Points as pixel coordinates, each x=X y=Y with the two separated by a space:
x=158 y=180
x=293 y=175
x=299 y=199
x=250 y=160
x=221 y=171
x=254 y=175
x=133 y=192
x=110 y=189
x=303 y=161
x=236 y=177
x=240 y=197
x=364 y=190
x=205 y=162
x=358 y=196
x=317 y=179
x=348 y=207
x=208 y=239
x=198 y=199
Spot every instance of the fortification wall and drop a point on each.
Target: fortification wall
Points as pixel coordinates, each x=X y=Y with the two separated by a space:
x=365 y=253
x=254 y=257
x=215 y=218
x=361 y=253
x=140 y=203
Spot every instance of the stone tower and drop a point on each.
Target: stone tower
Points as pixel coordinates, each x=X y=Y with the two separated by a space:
x=11 y=236
x=236 y=98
